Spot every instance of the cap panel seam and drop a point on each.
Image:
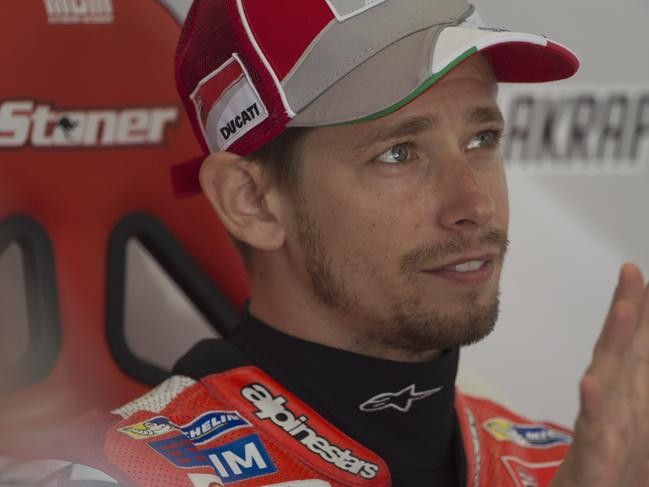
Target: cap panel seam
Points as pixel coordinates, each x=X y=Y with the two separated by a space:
x=308 y=50
x=262 y=56
x=376 y=47
x=353 y=62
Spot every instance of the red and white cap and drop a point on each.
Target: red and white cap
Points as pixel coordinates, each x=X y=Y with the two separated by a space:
x=248 y=69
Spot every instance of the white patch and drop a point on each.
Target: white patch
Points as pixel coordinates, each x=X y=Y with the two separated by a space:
x=157 y=398
x=346 y=9
x=227 y=105
x=79 y=11
x=303 y=483
x=205 y=480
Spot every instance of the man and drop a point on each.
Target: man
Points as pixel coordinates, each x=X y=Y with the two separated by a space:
x=355 y=161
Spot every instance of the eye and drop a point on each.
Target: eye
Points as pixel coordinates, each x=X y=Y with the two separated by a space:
x=396 y=154
x=485 y=139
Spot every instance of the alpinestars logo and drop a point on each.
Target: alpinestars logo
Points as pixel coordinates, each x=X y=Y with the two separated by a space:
x=401 y=401
x=273 y=408
x=79 y=11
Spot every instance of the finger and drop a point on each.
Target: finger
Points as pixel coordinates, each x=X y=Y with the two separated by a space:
x=617 y=330
x=616 y=336
x=591 y=396
x=629 y=289
x=641 y=339
x=588 y=451
x=630 y=285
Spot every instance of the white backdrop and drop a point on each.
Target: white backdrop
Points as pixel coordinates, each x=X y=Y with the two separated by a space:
x=575 y=218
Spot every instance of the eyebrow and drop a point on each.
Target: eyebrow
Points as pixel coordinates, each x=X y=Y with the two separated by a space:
x=480 y=115
x=409 y=126
x=416 y=125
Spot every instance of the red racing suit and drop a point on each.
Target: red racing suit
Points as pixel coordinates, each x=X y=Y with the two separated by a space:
x=241 y=427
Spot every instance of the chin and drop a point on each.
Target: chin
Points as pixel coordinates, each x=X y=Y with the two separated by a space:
x=413 y=328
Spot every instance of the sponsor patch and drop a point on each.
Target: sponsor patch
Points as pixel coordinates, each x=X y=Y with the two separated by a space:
x=28 y=123
x=227 y=105
x=242 y=459
x=79 y=11
x=527 y=474
x=200 y=430
x=528 y=435
x=150 y=428
x=273 y=408
x=212 y=424
x=180 y=451
x=345 y=9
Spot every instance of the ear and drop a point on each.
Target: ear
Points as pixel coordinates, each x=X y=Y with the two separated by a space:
x=246 y=204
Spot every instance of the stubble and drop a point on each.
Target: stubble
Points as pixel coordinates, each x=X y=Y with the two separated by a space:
x=413 y=325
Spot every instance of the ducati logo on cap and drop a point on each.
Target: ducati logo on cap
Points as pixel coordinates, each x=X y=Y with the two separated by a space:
x=227 y=105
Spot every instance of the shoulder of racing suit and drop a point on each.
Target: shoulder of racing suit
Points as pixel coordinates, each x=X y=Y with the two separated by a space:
x=241 y=426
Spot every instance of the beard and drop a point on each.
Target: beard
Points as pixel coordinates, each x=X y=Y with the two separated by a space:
x=415 y=329
x=413 y=325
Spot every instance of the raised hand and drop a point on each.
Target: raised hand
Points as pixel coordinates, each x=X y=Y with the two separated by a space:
x=611 y=447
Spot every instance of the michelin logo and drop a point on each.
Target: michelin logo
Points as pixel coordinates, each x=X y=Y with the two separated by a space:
x=528 y=436
x=212 y=424
x=200 y=430
x=273 y=408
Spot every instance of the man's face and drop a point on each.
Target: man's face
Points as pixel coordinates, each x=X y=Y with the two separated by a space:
x=386 y=210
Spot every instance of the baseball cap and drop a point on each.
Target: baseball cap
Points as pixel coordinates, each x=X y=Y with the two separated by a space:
x=246 y=70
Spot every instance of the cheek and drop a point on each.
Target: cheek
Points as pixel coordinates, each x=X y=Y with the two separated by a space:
x=361 y=228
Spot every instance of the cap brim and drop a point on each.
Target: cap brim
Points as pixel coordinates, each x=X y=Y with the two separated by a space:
x=398 y=74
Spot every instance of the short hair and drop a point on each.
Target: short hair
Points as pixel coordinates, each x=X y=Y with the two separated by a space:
x=280 y=157
x=280 y=160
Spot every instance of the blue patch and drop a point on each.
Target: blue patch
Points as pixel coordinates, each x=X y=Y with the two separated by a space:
x=180 y=451
x=212 y=424
x=541 y=436
x=241 y=459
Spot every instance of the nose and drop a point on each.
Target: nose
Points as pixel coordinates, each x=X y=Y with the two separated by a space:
x=466 y=204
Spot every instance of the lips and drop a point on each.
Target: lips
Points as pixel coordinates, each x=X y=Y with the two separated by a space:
x=465 y=264
x=472 y=265
x=468 y=270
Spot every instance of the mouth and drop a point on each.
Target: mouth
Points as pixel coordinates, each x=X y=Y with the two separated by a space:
x=468 y=271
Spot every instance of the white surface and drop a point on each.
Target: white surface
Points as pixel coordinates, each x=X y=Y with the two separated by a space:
x=160 y=322
x=14 y=334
